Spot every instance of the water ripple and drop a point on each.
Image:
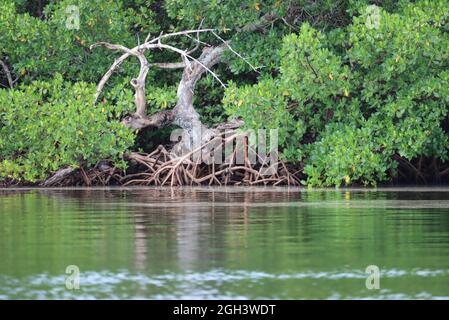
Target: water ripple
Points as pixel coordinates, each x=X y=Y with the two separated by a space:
x=207 y=285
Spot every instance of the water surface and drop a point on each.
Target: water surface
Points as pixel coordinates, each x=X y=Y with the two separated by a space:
x=235 y=243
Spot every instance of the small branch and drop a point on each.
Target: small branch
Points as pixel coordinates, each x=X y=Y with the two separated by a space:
x=168 y=65
x=411 y=167
x=148 y=45
x=8 y=74
x=443 y=172
x=197 y=40
x=311 y=67
x=58 y=177
x=156 y=120
x=180 y=33
x=205 y=63
x=113 y=47
x=235 y=52
x=265 y=20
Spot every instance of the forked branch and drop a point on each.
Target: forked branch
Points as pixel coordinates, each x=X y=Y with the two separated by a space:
x=184 y=113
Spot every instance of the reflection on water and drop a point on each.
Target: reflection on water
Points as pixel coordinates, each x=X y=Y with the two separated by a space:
x=237 y=243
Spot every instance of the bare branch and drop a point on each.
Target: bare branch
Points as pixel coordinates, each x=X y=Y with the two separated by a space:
x=197 y=40
x=60 y=175
x=183 y=114
x=233 y=51
x=180 y=33
x=139 y=86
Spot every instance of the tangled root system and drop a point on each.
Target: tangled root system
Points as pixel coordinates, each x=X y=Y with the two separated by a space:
x=164 y=168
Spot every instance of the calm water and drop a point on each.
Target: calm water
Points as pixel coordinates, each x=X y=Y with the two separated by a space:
x=224 y=243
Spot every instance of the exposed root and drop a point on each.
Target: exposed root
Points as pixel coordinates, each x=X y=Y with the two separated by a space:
x=161 y=168
x=103 y=174
x=195 y=167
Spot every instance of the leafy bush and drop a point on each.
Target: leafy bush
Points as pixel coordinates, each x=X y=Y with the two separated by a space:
x=360 y=95
x=261 y=108
x=38 y=47
x=49 y=125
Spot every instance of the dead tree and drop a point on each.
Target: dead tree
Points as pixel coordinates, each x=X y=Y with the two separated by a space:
x=183 y=114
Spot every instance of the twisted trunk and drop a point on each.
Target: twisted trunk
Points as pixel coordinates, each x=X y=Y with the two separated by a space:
x=183 y=114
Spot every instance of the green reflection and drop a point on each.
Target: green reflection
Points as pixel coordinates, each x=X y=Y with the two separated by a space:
x=206 y=243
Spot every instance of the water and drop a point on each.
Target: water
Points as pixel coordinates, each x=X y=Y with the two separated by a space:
x=237 y=243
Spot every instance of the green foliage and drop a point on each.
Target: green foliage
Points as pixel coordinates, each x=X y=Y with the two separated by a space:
x=232 y=16
x=48 y=125
x=360 y=95
x=37 y=48
x=261 y=108
x=350 y=85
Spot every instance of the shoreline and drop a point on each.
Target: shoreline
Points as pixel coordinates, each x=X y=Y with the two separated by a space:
x=409 y=188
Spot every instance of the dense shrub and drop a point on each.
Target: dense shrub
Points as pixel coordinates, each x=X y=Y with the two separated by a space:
x=49 y=125
x=362 y=94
